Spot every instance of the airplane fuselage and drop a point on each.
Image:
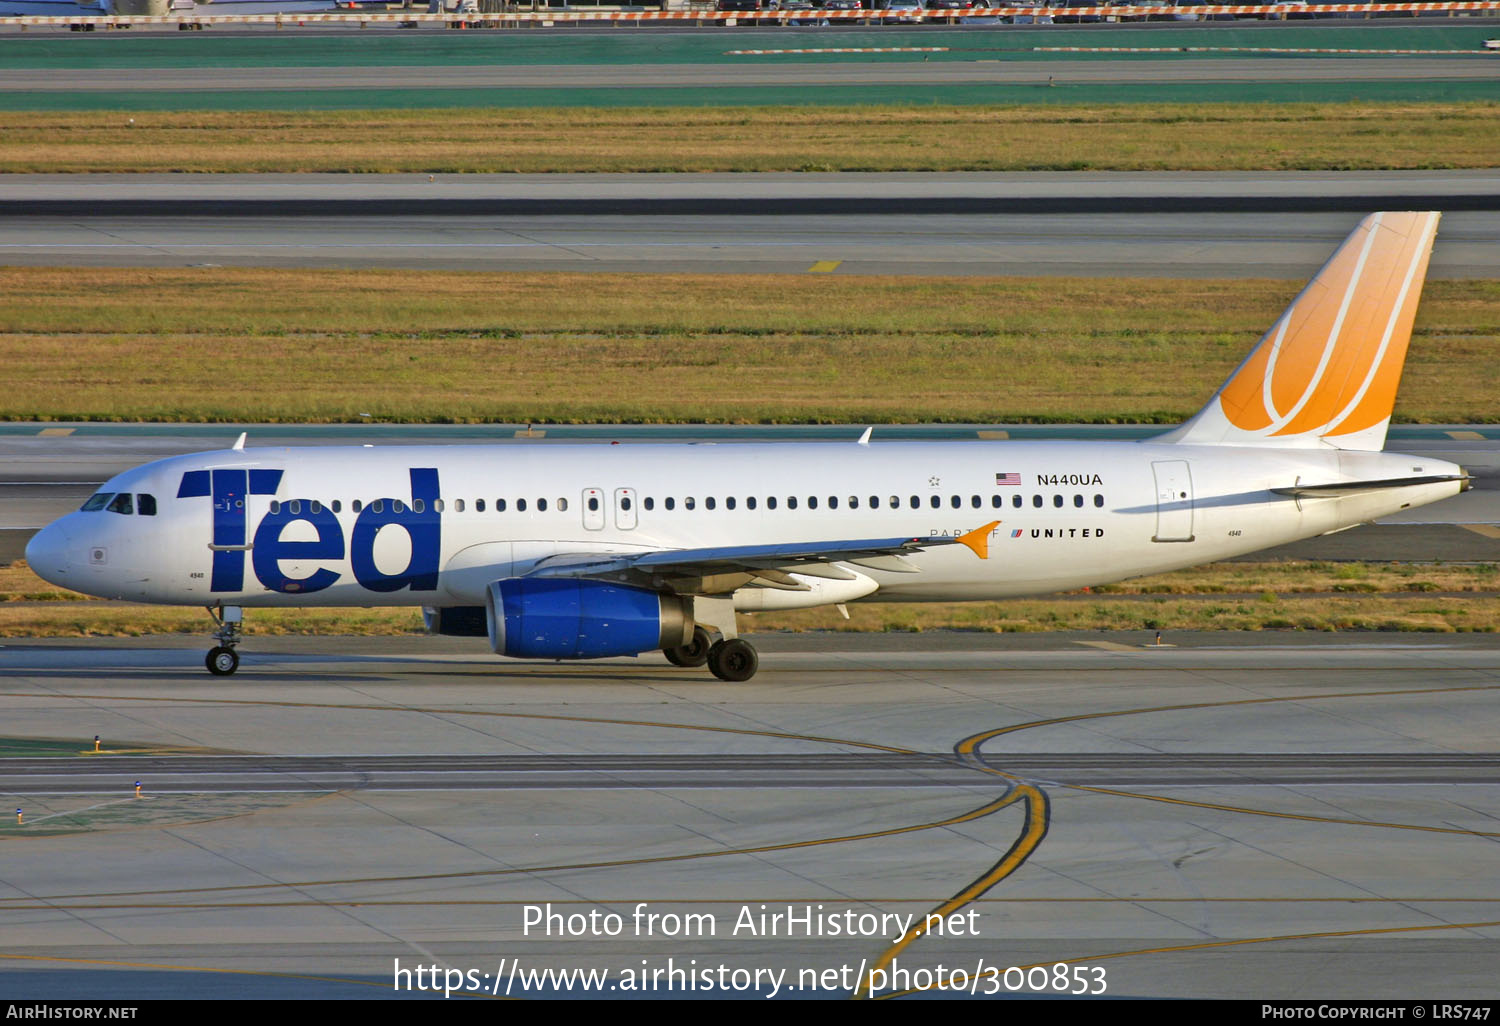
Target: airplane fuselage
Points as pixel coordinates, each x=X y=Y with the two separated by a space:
x=435 y=525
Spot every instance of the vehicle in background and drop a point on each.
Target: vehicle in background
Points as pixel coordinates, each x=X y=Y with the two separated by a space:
x=1029 y=19
x=1077 y=19
x=806 y=13
x=904 y=11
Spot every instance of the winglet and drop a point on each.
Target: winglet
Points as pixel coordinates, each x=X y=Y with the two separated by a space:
x=978 y=540
x=239 y=443
x=864 y=439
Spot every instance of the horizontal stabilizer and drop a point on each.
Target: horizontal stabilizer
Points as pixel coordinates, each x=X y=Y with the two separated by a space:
x=1337 y=488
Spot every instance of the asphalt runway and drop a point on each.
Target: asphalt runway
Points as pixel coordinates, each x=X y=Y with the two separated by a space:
x=1239 y=816
x=1187 y=225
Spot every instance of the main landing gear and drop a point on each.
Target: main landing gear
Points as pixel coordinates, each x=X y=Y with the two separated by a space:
x=729 y=659
x=222 y=659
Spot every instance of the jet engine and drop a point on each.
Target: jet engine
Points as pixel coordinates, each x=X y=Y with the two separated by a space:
x=541 y=618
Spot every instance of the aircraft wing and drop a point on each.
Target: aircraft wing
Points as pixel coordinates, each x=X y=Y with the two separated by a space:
x=724 y=568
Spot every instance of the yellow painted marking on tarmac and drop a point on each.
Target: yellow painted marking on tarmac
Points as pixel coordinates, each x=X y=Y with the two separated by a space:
x=1240 y=942
x=1245 y=811
x=53 y=905
x=968 y=749
x=1465 y=436
x=1108 y=646
x=963 y=817
x=993 y=436
x=1487 y=530
x=824 y=266
x=55 y=432
x=531 y=433
x=431 y=711
x=1035 y=828
x=969 y=746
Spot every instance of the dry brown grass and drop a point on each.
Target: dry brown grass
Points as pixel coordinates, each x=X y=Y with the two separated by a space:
x=216 y=344
x=1116 y=137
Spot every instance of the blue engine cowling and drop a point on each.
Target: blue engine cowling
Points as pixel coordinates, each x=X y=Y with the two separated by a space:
x=539 y=618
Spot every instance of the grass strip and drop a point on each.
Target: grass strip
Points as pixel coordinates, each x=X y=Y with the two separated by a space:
x=1062 y=131
x=265 y=345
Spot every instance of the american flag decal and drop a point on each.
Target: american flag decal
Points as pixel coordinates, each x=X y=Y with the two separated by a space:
x=1007 y=479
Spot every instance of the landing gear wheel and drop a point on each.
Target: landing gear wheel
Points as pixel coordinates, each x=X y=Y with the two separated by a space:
x=734 y=660
x=222 y=661
x=694 y=653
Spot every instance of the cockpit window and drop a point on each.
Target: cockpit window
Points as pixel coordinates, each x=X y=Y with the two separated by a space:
x=121 y=504
x=145 y=505
x=96 y=502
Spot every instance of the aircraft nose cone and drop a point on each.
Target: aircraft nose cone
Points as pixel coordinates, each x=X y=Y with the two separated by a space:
x=47 y=555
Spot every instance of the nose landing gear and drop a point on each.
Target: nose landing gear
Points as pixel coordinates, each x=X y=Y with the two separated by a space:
x=222 y=659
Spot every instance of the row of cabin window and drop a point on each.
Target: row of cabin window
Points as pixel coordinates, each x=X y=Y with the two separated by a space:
x=689 y=503
x=121 y=502
x=417 y=506
x=833 y=501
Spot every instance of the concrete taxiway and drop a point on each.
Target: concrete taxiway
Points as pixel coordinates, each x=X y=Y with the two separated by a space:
x=1189 y=225
x=1237 y=816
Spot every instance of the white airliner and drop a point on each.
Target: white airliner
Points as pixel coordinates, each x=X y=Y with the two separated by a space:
x=584 y=551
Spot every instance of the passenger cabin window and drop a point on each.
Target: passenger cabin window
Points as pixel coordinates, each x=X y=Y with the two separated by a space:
x=750 y=502
x=499 y=505
x=121 y=504
x=145 y=505
x=1078 y=501
x=1057 y=500
x=356 y=506
x=520 y=505
x=96 y=502
x=478 y=505
x=541 y=505
x=671 y=503
x=336 y=506
x=562 y=505
x=1099 y=501
x=729 y=502
x=770 y=502
x=650 y=503
x=1015 y=500
x=1036 y=500
x=709 y=502
x=690 y=503
x=791 y=502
